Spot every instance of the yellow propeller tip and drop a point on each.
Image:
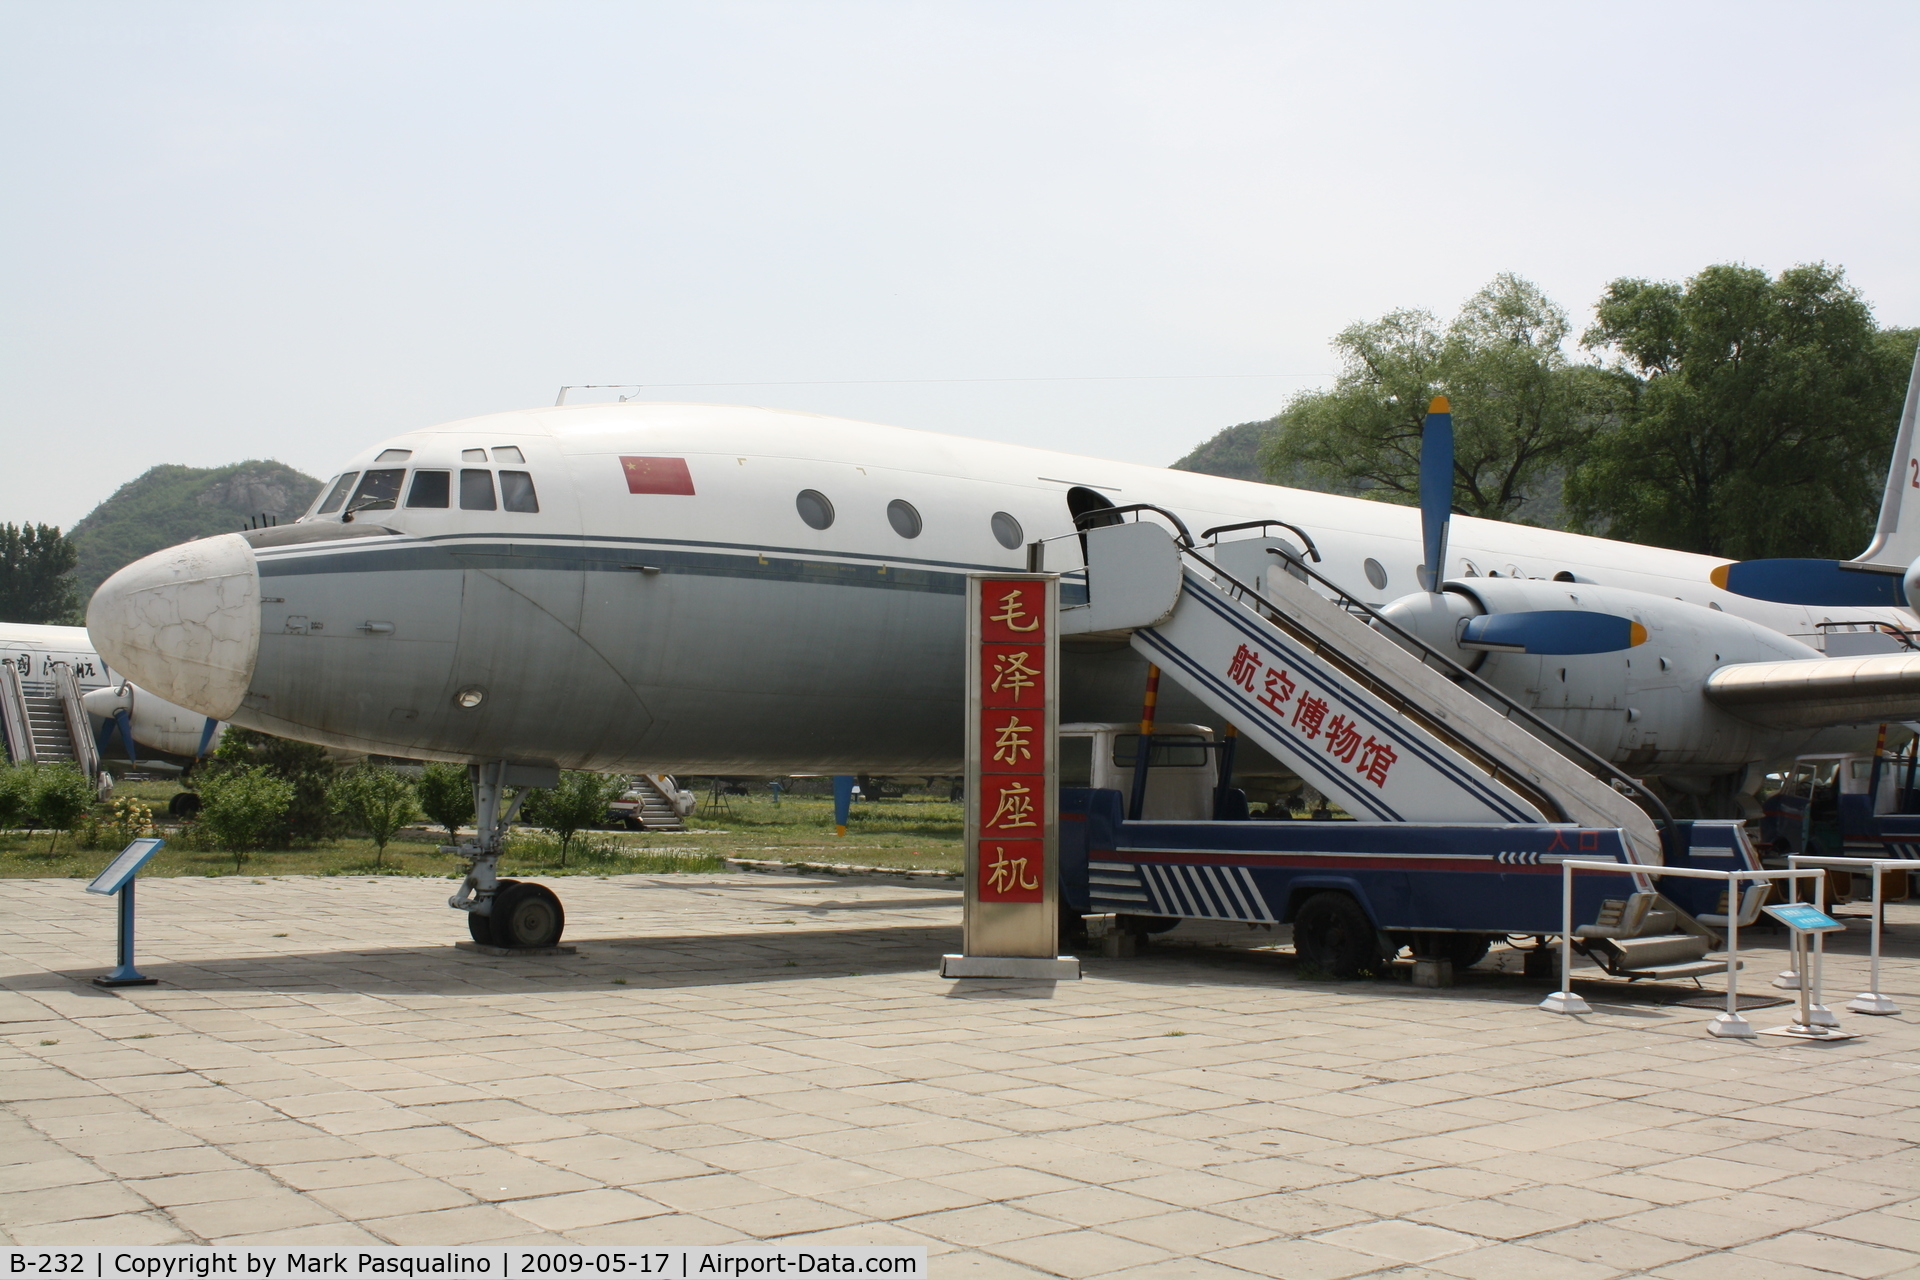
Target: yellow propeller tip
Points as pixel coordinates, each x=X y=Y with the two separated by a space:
x=1719 y=576
x=1439 y=405
x=1636 y=634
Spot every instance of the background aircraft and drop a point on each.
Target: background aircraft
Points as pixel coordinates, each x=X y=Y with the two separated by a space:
x=124 y=721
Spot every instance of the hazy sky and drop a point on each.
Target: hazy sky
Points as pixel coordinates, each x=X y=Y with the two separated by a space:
x=286 y=229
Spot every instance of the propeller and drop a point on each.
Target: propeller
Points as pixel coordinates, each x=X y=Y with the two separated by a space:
x=1832 y=584
x=1436 y=490
x=1542 y=631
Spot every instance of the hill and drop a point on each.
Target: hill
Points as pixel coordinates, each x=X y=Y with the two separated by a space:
x=1234 y=453
x=171 y=504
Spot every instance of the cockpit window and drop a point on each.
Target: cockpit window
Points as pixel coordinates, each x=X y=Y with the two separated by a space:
x=476 y=490
x=394 y=455
x=508 y=453
x=378 y=491
x=516 y=490
x=430 y=489
x=473 y=455
x=338 y=494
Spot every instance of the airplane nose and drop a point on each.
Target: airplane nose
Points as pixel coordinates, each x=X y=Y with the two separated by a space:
x=184 y=623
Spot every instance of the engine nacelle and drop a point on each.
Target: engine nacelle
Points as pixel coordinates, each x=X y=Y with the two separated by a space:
x=156 y=725
x=1642 y=707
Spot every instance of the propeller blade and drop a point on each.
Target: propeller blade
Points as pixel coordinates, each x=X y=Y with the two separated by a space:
x=1556 y=631
x=1436 y=490
x=1834 y=584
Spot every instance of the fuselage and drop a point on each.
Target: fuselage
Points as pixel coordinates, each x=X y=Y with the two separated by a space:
x=704 y=588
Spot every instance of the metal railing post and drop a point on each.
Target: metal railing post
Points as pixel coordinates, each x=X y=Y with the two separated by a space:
x=1730 y=1024
x=1563 y=1000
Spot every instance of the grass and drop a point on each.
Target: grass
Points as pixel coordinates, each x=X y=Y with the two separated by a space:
x=908 y=833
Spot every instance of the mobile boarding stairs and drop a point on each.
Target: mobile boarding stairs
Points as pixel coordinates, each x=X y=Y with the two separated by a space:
x=1464 y=802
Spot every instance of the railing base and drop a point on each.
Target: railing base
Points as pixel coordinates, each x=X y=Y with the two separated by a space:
x=1872 y=1002
x=1732 y=1026
x=1565 y=1002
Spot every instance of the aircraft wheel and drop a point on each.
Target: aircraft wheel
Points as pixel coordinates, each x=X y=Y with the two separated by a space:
x=185 y=805
x=479 y=927
x=527 y=915
x=1332 y=933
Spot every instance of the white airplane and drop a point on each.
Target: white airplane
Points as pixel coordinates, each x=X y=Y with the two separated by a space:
x=687 y=588
x=122 y=719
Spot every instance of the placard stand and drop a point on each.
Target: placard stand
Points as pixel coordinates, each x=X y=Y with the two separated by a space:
x=1808 y=926
x=119 y=878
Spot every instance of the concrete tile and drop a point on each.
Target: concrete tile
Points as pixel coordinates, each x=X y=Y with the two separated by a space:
x=1298 y=1260
x=1614 y=1247
x=1822 y=1252
x=1401 y=1241
x=577 y=1209
x=389 y=1199
x=1078 y=1253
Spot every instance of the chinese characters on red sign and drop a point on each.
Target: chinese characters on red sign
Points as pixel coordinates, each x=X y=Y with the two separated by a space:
x=1342 y=737
x=1013 y=744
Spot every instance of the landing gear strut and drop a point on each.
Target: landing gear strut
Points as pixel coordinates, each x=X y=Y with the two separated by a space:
x=501 y=913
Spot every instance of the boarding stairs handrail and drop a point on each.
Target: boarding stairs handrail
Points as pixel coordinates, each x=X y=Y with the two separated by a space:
x=86 y=752
x=13 y=717
x=1509 y=708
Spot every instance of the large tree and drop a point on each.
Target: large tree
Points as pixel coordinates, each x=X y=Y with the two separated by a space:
x=36 y=575
x=1757 y=416
x=1521 y=409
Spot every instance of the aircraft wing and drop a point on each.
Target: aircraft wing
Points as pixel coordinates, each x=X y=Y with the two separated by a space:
x=1812 y=693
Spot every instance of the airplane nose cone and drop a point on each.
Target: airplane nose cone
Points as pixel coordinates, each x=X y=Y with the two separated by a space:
x=184 y=623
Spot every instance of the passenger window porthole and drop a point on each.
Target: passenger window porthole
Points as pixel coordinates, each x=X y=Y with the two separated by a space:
x=814 y=508
x=1007 y=531
x=1376 y=574
x=904 y=519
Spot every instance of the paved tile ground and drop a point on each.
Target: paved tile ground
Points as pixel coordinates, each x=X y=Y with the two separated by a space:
x=738 y=1057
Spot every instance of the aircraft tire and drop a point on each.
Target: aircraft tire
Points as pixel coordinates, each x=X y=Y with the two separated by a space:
x=527 y=915
x=479 y=927
x=1332 y=933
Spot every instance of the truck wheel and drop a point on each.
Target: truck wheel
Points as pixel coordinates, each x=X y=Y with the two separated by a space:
x=1464 y=949
x=1332 y=933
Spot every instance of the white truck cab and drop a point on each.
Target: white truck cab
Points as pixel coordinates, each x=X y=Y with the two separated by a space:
x=1181 y=776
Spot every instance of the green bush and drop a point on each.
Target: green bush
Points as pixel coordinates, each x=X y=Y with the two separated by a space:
x=243 y=808
x=16 y=792
x=311 y=813
x=446 y=797
x=578 y=803
x=60 y=797
x=378 y=801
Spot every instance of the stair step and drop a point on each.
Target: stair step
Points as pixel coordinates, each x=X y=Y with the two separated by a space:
x=1684 y=969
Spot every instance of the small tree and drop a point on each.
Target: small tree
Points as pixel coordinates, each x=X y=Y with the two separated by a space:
x=578 y=802
x=377 y=800
x=446 y=797
x=244 y=809
x=61 y=796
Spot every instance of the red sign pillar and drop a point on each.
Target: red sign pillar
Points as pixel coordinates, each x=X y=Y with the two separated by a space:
x=1012 y=926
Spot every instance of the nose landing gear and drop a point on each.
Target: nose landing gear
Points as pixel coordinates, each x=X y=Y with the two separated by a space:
x=502 y=913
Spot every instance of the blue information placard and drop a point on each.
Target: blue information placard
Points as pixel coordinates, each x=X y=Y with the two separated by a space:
x=1804 y=917
x=122 y=868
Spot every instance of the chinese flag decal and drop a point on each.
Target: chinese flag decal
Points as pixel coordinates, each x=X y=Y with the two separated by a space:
x=658 y=475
